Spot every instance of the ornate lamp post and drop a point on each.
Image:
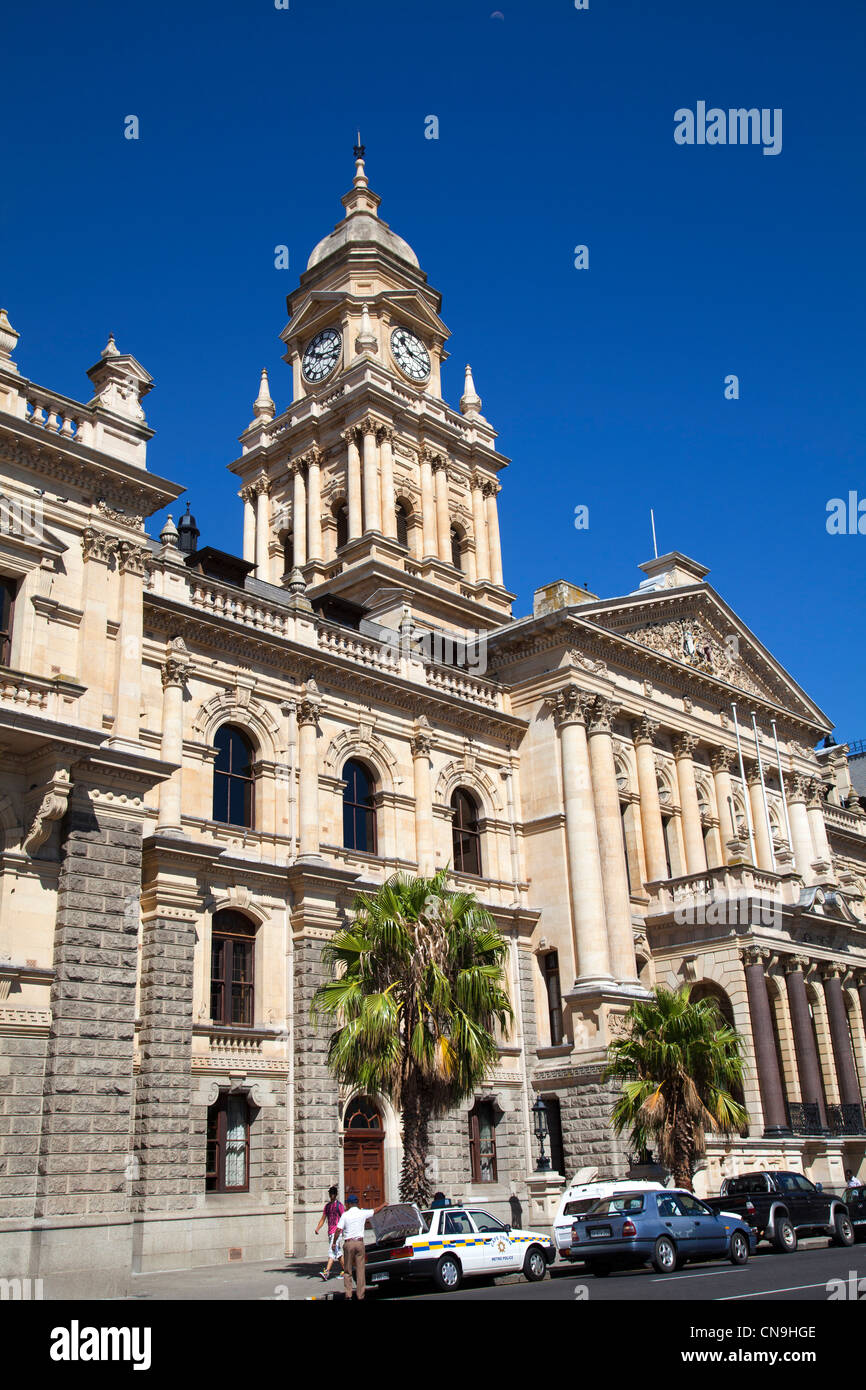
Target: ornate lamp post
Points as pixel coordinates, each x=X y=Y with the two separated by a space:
x=539 y=1114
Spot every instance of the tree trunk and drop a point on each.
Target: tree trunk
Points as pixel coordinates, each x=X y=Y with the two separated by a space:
x=414 y=1186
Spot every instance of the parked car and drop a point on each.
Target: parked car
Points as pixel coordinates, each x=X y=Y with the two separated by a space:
x=665 y=1228
x=855 y=1200
x=784 y=1206
x=450 y=1244
x=580 y=1198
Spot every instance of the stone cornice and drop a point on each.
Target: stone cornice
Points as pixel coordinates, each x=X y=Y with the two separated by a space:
x=122 y=487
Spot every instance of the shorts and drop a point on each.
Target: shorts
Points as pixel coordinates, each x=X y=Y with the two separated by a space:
x=335 y=1246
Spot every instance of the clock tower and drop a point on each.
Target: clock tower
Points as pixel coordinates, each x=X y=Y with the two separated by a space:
x=369 y=483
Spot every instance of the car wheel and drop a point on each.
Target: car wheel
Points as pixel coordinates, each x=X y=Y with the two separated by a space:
x=664 y=1256
x=844 y=1231
x=784 y=1236
x=535 y=1265
x=448 y=1274
x=739 y=1251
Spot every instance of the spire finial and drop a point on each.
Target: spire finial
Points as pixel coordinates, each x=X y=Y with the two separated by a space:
x=110 y=349
x=470 y=401
x=360 y=179
x=263 y=406
x=366 y=340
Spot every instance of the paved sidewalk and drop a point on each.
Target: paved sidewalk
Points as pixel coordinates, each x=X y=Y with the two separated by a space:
x=265 y=1279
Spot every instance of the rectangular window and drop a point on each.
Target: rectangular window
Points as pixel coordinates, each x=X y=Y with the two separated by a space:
x=623 y=813
x=227 y=1160
x=8 y=590
x=667 y=830
x=550 y=970
x=554 y=1132
x=482 y=1142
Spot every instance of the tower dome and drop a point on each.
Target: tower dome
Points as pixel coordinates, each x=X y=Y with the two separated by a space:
x=362 y=225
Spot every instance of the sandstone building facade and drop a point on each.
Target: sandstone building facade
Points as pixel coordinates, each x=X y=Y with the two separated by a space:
x=205 y=757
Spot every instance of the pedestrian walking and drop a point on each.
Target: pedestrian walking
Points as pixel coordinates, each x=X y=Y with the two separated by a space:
x=352 y=1224
x=332 y=1211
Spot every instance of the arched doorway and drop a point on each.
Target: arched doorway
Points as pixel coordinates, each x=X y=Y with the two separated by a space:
x=364 y=1151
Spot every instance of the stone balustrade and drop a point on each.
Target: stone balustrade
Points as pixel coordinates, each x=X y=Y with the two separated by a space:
x=733 y=881
x=58 y=415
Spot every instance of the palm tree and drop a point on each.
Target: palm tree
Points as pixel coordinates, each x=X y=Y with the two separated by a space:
x=417 y=987
x=679 y=1062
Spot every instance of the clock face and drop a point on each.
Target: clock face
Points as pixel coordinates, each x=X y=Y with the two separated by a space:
x=410 y=354
x=322 y=354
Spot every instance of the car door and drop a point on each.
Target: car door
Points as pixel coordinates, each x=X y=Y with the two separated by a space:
x=498 y=1249
x=675 y=1220
x=460 y=1236
x=710 y=1236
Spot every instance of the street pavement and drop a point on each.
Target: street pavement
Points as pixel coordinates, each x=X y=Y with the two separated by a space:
x=768 y=1277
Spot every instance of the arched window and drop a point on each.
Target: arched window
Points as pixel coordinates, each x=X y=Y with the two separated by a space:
x=233 y=786
x=232 y=969
x=402 y=525
x=465 y=834
x=456 y=539
x=362 y=1113
x=359 y=815
x=342 y=515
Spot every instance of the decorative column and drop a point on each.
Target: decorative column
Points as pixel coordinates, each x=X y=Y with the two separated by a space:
x=127 y=701
x=385 y=437
x=428 y=506
x=174 y=672
x=693 y=835
x=491 y=488
x=372 y=506
x=815 y=809
x=353 y=482
x=297 y=470
x=796 y=789
x=479 y=522
x=846 y=1069
x=443 y=516
x=308 y=772
x=97 y=550
x=643 y=731
x=313 y=460
x=808 y=1064
x=422 y=744
x=769 y=1077
x=721 y=762
x=763 y=848
x=608 y=816
x=262 y=526
x=248 y=496
x=584 y=867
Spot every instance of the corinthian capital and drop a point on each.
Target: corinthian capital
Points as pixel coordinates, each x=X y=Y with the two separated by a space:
x=684 y=745
x=385 y=432
x=351 y=435
x=793 y=965
x=261 y=484
x=298 y=467
x=422 y=738
x=721 y=760
x=754 y=955
x=602 y=715
x=571 y=705
x=797 y=787
x=644 y=730
x=96 y=545
x=308 y=704
x=248 y=493
x=131 y=557
x=491 y=488
x=175 y=667
x=368 y=424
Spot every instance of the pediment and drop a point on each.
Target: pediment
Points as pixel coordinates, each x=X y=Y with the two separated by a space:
x=695 y=628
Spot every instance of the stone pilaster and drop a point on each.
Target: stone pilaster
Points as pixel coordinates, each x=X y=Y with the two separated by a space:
x=84 y=1146
x=163 y=1174
x=372 y=497
x=308 y=774
x=584 y=866
x=479 y=523
x=314 y=504
x=127 y=698
x=721 y=762
x=385 y=438
x=610 y=842
x=174 y=672
x=443 y=515
x=318 y=1156
x=261 y=488
x=353 y=481
x=298 y=473
x=422 y=744
x=491 y=489
x=429 y=547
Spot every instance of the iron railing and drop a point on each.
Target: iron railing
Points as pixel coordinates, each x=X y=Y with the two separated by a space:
x=805 y=1118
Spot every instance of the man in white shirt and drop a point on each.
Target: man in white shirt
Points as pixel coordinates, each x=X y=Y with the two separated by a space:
x=352 y=1224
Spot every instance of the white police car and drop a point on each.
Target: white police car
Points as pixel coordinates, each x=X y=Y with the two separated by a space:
x=450 y=1244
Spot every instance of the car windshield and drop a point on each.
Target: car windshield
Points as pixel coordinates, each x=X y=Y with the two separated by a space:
x=627 y=1204
x=578 y=1208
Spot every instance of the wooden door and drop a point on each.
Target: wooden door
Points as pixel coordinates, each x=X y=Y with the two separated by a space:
x=364 y=1152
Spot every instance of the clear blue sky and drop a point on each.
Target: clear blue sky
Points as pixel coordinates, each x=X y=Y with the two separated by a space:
x=556 y=128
